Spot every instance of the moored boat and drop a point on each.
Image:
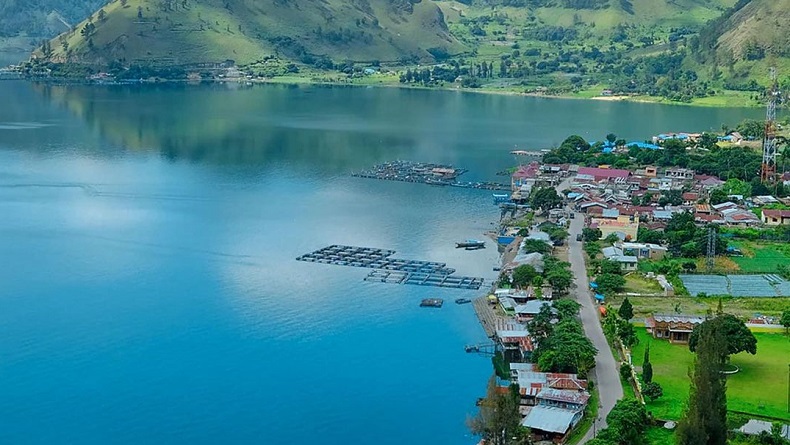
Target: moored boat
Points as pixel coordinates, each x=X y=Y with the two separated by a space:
x=473 y=243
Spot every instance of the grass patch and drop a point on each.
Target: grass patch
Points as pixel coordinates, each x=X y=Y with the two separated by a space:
x=741 y=307
x=761 y=257
x=760 y=387
x=657 y=435
x=639 y=284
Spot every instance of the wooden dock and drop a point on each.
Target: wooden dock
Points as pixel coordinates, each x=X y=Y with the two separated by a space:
x=487 y=316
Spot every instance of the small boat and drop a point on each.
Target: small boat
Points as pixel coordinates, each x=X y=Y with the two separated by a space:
x=473 y=243
x=432 y=302
x=462 y=300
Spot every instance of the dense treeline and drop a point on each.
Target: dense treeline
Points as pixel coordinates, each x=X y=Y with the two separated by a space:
x=40 y=18
x=732 y=162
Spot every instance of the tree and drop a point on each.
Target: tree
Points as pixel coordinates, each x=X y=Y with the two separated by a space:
x=609 y=266
x=626 y=310
x=541 y=326
x=589 y=234
x=736 y=336
x=647 y=367
x=704 y=421
x=498 y=419
x=139 y=12
x=566 y=308
x=567 y=349
x=737 y=187
x=609 y=284
x=546 y=198
x=124 y=2
x=536 y=245
x=652 y=391
x=523 y=275
x=611 y=238
x=102 y=15
x=626 y=333
x=560 y=280
x=627 y=423
x=717 y=196
x=785 y=320
x=611 y=138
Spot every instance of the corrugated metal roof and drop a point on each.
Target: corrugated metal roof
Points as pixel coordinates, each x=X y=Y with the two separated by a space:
x=562 y=395
x=549 y=419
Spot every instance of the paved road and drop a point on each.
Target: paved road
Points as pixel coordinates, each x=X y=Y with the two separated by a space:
x=607 y=375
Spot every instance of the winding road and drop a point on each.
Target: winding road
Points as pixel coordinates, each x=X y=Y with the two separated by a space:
x=606 y=374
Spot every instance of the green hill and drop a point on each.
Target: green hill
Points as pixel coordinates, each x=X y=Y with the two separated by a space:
x=42 y=18
x=169 y=32
x=748 y=38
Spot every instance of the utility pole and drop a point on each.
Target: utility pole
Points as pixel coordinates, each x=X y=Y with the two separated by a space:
x=768 y=169
x=711 y=253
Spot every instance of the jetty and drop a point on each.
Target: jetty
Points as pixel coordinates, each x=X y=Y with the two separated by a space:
x=425 y=173
x=392 y=270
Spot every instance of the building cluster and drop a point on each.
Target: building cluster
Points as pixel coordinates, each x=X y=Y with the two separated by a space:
x=620 y=201
x=551 y=404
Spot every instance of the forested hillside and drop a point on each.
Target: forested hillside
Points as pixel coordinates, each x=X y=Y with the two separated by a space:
x=42 y=18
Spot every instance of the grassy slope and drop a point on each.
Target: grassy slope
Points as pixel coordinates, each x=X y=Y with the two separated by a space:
x=760 y=387
x=206 y=31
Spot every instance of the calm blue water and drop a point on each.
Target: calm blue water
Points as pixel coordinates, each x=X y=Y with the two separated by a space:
x=148 y=288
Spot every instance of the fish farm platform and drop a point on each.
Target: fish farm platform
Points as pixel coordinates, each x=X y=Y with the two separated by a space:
x=424 y=173
x=392 y=270
x=371 y=258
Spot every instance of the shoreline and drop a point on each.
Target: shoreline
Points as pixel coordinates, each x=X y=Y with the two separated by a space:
x=720 y=101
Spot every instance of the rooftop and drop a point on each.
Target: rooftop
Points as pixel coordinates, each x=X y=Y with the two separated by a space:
x=550 y=419
x=564 y=395
x=604 y=172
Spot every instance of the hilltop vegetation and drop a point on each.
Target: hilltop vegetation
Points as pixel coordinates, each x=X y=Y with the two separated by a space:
x=168 y=32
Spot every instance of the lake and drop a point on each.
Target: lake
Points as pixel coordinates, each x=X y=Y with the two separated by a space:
x=149 y=291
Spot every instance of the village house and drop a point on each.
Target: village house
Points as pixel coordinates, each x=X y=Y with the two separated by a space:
x=674 y=327
x=644 y=250
x=603 y=174
x=625 y=227
x=628 y=263
x=556 y=413
x=549 y=423
x=514 y=341
x=684 y=174
x=776 y=217
x=531 y=382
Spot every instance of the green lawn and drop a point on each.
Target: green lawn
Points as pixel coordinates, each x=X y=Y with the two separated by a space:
x=760 y=387
x=761 y=257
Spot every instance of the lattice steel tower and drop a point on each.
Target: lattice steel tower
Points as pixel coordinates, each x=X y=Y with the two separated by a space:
x=711 y=254
x=768 y=170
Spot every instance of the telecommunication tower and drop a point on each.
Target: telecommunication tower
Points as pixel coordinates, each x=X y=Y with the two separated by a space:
x=768 y=170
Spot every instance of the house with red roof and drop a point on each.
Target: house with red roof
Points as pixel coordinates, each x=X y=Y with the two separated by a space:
x=604 y=174
x=775 y=217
